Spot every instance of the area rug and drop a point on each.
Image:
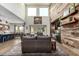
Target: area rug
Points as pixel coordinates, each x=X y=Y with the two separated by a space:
x=16 y=51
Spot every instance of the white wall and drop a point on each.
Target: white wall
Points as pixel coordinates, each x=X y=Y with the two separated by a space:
x=12 y=29
x=30 y=20
x=16 y=8
x=10 y=17
x=45 y=21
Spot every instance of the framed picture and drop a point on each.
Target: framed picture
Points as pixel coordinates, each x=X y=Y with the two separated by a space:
x=37 y=20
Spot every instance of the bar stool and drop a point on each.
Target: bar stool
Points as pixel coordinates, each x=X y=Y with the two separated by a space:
x=10 y=36
x=4 y=38
x=1 y=38
x=7 y=37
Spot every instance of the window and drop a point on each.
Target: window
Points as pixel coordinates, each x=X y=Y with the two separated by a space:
x=19 y=28
x=43 y=12
x=31 y=11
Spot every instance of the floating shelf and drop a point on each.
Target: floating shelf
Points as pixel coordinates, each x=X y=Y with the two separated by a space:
x=68 y=23
x=71 y=38
x=69 y=14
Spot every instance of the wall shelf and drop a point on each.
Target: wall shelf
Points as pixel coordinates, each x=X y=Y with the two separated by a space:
x=69 y=15
x=68 y=23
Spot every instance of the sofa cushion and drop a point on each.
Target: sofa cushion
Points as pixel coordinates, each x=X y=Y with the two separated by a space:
x=33 y=44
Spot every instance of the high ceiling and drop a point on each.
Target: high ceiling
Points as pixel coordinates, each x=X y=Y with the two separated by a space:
x=37 y=4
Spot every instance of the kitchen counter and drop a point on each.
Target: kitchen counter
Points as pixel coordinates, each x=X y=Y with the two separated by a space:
x=6 y=37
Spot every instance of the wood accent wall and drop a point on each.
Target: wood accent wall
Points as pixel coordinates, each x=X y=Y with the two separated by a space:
x=69 y=28
x=56 y=10
x=70 y=31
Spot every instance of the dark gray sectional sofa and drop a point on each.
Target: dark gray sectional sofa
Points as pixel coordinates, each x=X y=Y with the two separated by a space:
x=34 y=44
